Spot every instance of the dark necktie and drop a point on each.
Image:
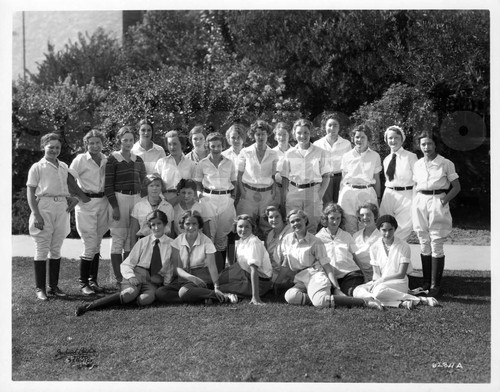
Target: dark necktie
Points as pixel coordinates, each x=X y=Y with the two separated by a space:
x=391 y=169
x=155 y=266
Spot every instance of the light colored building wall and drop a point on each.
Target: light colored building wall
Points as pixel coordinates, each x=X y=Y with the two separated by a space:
x=58 y=28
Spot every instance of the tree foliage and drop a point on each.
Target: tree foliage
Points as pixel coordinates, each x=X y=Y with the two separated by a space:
x=93 y=58
x=167 y=38
x=179 y=98
x=400 y=105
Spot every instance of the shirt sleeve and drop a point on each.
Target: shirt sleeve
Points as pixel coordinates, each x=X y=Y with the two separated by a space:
x=378 y=164
x=109 y=181
x=128 y=265
x=320 y=252
x=241 y=161
x=142 y=171
x=33 y=176
x=255 y=255
x=209 y=245
x=405 y=254
x=451 y=174
x=158 y=165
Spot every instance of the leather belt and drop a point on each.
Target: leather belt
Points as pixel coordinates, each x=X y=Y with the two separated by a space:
x=258 y=189
x=434 y=192
x=95 y=195
x=400 y=188
x=213 y=192
x=303 y=186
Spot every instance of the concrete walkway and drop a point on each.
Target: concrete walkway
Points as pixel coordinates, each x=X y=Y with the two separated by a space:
x=458 y=257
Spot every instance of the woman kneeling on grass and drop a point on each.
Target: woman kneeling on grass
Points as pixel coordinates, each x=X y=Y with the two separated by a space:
x=306 y=255
x=390 y=257
x=147 y=266
x=193 y=254
x=250 y=275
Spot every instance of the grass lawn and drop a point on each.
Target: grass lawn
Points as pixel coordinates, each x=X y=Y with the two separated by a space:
x=273 y=343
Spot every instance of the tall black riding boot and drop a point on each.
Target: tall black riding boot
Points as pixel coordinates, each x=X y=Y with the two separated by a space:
x=426 y=270
x=84 y=276
x=437 y=275
x=101 y=303
x=54 y=267
x=41 y=279
x=94 y=270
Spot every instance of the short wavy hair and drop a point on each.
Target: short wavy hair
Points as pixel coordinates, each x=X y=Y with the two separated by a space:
x=240 y=129
x=259 y=125
x=370 y=206
x=329 y=208
x=93 y=133
x=247 y=218
x=298 y=212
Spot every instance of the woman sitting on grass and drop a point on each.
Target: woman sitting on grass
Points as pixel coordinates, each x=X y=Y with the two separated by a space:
x=279 y=228
x=147 y=266
x=364 y=238
x=340 y=247
x=250 y=275
x=194 y=256
x=306 y=256
x=390 y=257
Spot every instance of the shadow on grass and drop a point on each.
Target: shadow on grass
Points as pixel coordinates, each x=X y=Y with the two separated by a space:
x=468 y=287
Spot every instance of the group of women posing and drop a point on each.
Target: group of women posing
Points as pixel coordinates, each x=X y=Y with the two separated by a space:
x=173 y=219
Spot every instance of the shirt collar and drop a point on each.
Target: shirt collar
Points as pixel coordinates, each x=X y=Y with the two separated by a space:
x=163 y=239
x=50 y=163
x=89 y=157
x=197 y=241
x=119 y=157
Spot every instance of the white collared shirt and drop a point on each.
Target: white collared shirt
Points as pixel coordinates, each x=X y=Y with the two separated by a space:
x=232 y=156
x=48 y=179
x=171 y=172
x=89 y=175
x=141 y=210
x=405 y=160
x=359 y=169
x=301 y=254
x=251 y=251
x=150 y=157
x=195 y=256
x=305 y=166
x=363 y=247
x=216 y=178
x=340 y=249
x=334 y=151
x=434 y=175
x=399 y=253
x=255 y=173
x=140 y=256
x=279 y=164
